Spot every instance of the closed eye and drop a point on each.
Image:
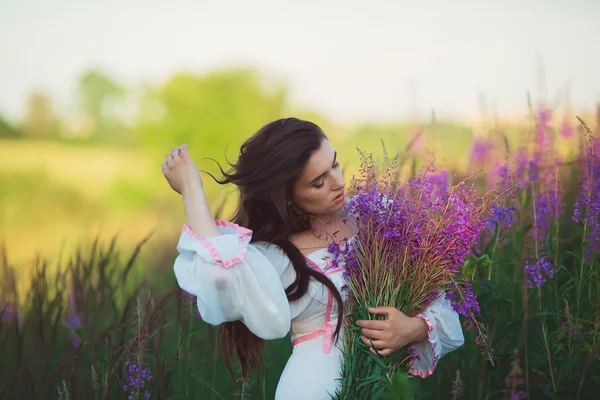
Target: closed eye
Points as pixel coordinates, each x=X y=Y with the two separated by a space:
x=335 y=164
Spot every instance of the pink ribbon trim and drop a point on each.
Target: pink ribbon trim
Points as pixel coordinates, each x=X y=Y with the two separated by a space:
x=328 y=330
x=436 y=356
x=244 y=235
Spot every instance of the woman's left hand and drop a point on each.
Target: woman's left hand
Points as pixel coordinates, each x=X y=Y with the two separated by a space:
x=393 y=333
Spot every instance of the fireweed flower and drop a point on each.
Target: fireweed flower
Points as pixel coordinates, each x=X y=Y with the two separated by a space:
x=136 y=378
x=498 y=176
x=501 y=216
x=526 y=167
x=466 y=306
x=410 y=245
x=543 y=125
x=547 y=206
x=439 y=183
x=536 y=274
x=566 y=130
x=480 y=151
x=587 y=205
x=521 y=167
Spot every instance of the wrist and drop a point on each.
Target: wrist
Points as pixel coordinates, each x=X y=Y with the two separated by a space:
x=191 y=186
x=420 y=329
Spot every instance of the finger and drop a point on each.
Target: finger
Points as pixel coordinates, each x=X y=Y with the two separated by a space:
x=373 y=334
x=378 y=325
x=382 y=310
x=164 y=167
x=377 y=344
x=170 y=161
x=382 y=353
x=184 y=151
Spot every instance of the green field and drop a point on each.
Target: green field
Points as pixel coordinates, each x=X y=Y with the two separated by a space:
x=72 y=317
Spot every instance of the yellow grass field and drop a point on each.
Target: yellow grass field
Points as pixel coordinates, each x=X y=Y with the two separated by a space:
x=55 y=196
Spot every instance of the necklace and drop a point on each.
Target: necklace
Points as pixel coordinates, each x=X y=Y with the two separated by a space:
x=327 y=235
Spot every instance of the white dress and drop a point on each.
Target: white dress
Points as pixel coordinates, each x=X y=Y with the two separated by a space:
x=235 y=280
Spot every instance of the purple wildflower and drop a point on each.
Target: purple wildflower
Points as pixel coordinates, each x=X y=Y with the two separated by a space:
x=533 y=169
x=415 y=237
x=334 y=248
x=439 y=183
x=9 y=314
x=549 y=202
x=518 y=395
x=536 y=274
x=480 y=151
x=467 y=305
x=463 y=228
x=75 y=322
x=527 y=167
x=501 y=216
x=136 y=379
x=498 y=176
x=430 y=299
x=544 y=116
x=542 y=220
x=566 y=130
x=587 y=206
x=412 y=355
x=521 y=164
x=74 y=318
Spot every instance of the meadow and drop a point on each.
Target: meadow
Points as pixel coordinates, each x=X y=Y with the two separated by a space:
x=90 y=308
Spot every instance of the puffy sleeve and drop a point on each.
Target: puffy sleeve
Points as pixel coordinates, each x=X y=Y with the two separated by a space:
x=445 y=335
x=234 y=280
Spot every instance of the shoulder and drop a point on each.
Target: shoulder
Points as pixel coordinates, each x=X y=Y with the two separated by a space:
x=269 y=250
x=280 y=261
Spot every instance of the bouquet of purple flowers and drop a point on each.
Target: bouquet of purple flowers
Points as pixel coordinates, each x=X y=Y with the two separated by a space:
x=411 y=245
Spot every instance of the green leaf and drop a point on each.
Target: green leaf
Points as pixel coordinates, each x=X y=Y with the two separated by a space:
x=403 y=387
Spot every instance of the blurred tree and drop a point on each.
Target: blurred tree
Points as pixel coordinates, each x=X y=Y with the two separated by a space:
x=99 y=97
x=209 y=112
x=7 y=130
x=40 y=120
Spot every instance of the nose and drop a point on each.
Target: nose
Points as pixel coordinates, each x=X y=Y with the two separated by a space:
x=338 y=182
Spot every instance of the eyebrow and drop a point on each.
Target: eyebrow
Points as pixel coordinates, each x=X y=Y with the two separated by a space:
x=324 y=173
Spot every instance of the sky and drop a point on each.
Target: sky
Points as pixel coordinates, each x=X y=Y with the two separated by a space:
x=352 y=60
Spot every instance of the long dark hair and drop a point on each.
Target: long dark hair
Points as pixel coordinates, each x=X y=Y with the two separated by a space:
x=268 y=165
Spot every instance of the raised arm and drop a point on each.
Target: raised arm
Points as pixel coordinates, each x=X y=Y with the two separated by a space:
x=183 y=176
x=232 y=279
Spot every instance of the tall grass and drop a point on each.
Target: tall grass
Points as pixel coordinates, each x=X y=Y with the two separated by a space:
x=90 y=328
x=96 y=327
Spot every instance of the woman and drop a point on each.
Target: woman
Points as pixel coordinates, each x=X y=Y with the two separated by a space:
x=268 y=273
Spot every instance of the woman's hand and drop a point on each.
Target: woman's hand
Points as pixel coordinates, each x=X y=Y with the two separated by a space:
x=392 y=334
x=179 y=169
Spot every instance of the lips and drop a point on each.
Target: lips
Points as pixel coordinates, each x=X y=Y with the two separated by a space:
x=338 y=197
